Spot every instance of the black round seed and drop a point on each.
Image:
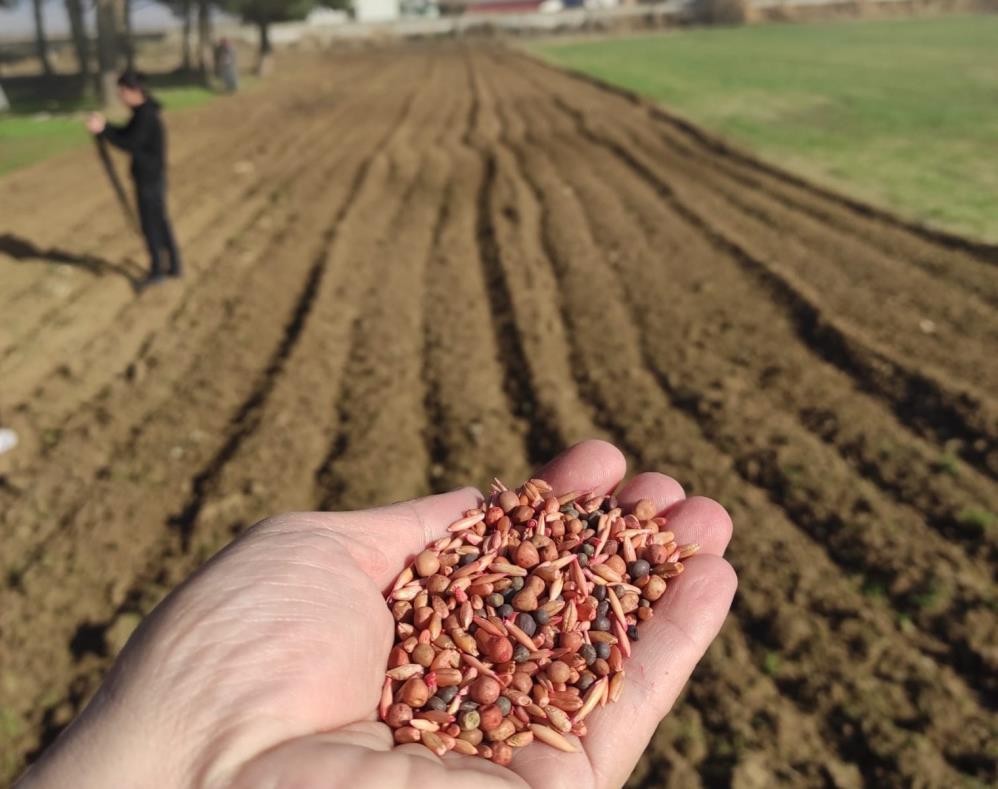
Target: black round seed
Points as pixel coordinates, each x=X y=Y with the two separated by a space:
x=588 y=549
x=436 y=703
x=639 y=568
x=526 y=623
x=602 y=651
x=504 y=610
x=521 y=654
x=541 y=616
x=588 y=653
x=495 y=600
x=505 y=705
x=599 y=592
x=586 y=680
x=618 y=590
x=448 y=693
x=644 y=603
x=603 y=608
x=601 y=623
x=632 y=632
x=517 y=584
x=468 y=558
x=582 y=559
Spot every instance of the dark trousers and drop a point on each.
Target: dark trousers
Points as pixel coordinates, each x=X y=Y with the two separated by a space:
x=156 y=228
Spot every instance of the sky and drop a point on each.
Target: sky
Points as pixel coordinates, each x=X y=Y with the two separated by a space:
x=19 y=21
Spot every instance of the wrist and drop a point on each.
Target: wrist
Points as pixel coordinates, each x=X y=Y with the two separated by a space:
x=103 y=747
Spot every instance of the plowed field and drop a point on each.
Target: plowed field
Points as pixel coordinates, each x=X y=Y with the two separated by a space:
x=413 y=269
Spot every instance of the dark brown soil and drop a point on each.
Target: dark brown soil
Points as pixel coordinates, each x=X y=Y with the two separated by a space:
x=417 y=268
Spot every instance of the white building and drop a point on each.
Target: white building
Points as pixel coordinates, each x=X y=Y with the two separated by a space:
x=376 y=10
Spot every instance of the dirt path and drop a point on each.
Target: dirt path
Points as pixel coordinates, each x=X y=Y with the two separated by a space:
x=418 y=268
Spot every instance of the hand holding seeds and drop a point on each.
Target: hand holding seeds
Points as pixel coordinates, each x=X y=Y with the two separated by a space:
x=265 y=667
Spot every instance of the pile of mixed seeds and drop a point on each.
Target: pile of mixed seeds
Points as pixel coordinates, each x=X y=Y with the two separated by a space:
x=515 y=626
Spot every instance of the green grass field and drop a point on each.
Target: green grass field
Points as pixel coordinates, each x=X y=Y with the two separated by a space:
x=26 y=138
x=900 y=112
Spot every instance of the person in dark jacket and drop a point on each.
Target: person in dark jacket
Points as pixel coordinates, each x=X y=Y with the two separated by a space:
x=144 y=137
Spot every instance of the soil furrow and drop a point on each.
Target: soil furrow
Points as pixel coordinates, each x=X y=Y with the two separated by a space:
x=573 y=251
x=920 y=398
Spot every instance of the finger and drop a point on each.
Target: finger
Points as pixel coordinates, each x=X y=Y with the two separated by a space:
x=388 y=538
x=661 y=490
x=686 y=620
x=590 y=466
x=700 y=520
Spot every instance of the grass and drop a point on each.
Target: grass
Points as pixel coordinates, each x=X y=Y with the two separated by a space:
x=900 y=112
x=34 y=133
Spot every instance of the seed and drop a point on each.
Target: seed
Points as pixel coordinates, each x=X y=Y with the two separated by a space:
x=398 y=715
x=639 y=568
x=600 y=593
x=525 y=600
x=502 y=754
x=499 y=649
x=491 y=716
x=434 y=743
x=526 y=555
x=447 y=677
x=407 y=734
x=526 y=623
x=520 y=739
x=588 y=653
x=644 y=510
x=505 y=729
x=484 y=690
x=542 y=617
x=414 y=692
x=602 y=651
x=469 y=719
x=558 y=718
x=427 y=563
x=508 y=500
x=472 y=736
x=448 y=693
x=436 y=704
x=558 y=671
x=464 y=747
x=423 y=654
x=504 y=611
x=552 y=738
x=601 y=623
x=572 y=641
x=654 y=589
x=521 y=653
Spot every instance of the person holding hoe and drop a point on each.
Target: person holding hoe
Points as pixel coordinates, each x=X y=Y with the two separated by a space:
x=144 y=137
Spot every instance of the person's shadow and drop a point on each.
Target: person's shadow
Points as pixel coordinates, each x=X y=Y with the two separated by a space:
x=21 y=249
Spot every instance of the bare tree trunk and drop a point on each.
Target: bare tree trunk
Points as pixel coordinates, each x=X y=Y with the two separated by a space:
x=81 y=43
x=128 y=43
x=205 y=59
x=41 y=43
x=186 y=50
x=264 y=64
x=107 y=51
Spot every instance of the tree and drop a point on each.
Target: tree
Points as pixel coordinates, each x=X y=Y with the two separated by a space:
x=205 y=57
x=263 y=13
x=81 y=41
x=108 y=28
x=41 y=42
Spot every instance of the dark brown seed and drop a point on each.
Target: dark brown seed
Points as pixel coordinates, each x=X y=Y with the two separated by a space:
x=485 y=690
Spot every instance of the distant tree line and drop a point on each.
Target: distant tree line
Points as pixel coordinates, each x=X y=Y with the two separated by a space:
x=114 y=40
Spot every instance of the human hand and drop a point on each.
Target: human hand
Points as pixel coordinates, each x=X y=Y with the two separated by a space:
x=95 y=123
x=265 y=667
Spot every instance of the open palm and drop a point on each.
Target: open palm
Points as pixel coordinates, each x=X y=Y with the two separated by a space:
x=266 y=666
